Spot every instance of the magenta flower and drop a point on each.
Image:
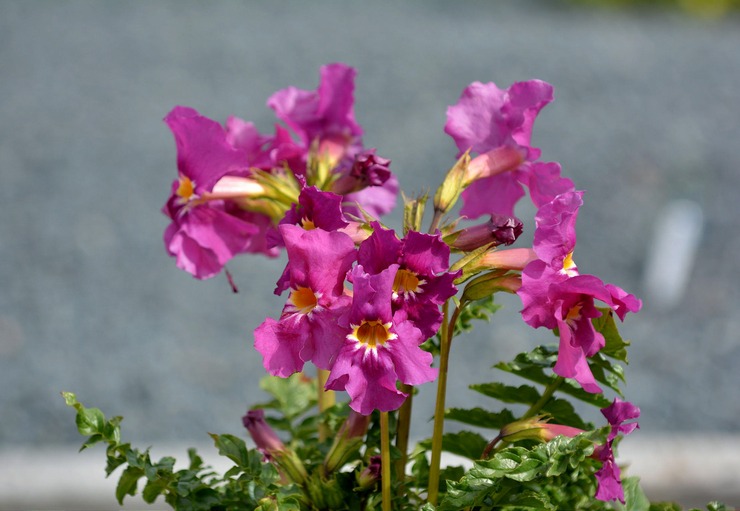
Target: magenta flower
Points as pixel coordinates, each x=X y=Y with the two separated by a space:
x=325 y=119
x=555 y=295
x=208 y=230
x=423 y=281
x=497 y=125
x=326 y=114
x=609 y=476
x=308 y=328
x=380 y=348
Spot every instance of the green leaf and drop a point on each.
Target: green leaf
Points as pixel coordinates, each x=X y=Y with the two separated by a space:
x=634 y=497
x=523 y=394
x=153 y=489
x=233 y=448
x=465 y=443
x=532 y=366
x=90 y=421
x=615 y=347
x=293 y=395
x=127 y=483
x=562 y=412
x=480 y=417
x=665 y=506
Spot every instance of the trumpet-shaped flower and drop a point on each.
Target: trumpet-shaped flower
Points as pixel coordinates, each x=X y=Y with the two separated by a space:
x=308 y=328
x=324 y=119
x=609 y=476
x=423 y=281
x=555 y=295
x=380 y=348
x=207 y=230
x=497 y=124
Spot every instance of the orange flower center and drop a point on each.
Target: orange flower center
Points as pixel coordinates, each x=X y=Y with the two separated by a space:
x=303 y=299
x=406 y=282
x=372 y=333
x=574 y=314
x=186 y=188
x=308 y=224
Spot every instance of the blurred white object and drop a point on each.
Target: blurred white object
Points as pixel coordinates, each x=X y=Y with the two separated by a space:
x=670 y=258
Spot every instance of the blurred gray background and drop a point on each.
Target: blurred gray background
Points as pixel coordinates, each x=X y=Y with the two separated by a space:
x=645 y=120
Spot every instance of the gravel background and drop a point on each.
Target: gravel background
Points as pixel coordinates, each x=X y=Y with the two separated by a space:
x=645 y=113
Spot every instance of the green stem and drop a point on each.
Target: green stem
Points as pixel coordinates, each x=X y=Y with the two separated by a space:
x=385 y=461
x=546 y=395
x=435 y=221
x=326 y=399
x=446 y=331
x=402 y=431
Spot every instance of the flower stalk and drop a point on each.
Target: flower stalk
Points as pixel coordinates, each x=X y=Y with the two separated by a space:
x=446 y=331
x=385 y=463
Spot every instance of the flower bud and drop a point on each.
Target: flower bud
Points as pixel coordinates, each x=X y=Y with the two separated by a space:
x=489 y=283
x=367 y=170
x=510 y=259
x=273 y=448
x=499 y=230
x=347 y=442
x=536 y=428
x=496 y=161
x=370 y=475
x=453 y=185
x=263 y=435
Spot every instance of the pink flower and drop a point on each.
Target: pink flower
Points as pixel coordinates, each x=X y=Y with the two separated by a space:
x=555 y=295
x=423 y=281
x=325 y=119
x=308 y=328
x=326 y=114
x=609 y=476
x=497 y=125
x=208 y=230
x=379 y=349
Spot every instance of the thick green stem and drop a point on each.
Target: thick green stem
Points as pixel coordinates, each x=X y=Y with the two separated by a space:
x=546 y=395
x=402 y=431
x=446 y=331
x=385 y=461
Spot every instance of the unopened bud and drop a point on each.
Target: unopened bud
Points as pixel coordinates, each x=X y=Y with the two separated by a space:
x=347 y=442
x=370 y=475
x=499 y=230
x=536 y=428
x=273 y=448
x=485 y=285
x=496 y=161
x=512 y=259
x=453 y=185
x=263 y=435
x=367 y=170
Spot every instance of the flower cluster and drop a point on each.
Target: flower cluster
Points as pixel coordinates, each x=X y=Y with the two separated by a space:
x=235 y=184
x=362 y=300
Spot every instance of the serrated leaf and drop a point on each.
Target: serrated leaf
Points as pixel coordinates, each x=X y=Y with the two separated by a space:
x=90 y=421
x=480 y=417
x=233 y=448
x=529 y=499
x=153 y=489
x=562 y=412
x=293 y=395
x=634 y=497
x=508 y=394
x=128 y=482
x=665 y=506
x=532 y=366
x=464 y=443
